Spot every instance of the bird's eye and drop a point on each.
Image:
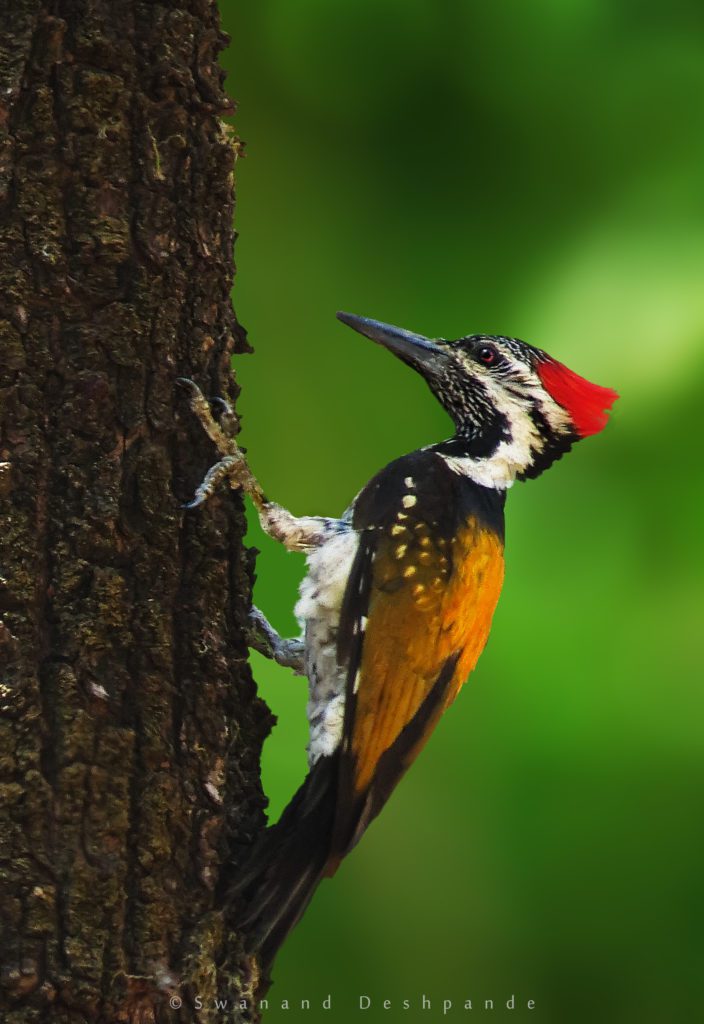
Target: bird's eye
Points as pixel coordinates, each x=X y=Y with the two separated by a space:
x=487 y=355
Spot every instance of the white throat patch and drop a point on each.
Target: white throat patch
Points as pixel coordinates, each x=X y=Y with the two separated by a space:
x=515 y=455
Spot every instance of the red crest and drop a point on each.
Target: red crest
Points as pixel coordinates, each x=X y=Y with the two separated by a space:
x=586 y=403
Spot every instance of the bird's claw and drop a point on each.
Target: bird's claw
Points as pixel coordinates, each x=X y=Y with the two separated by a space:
x=232 y=468
x=233 y=464
x=262 y=637
x=225 y=407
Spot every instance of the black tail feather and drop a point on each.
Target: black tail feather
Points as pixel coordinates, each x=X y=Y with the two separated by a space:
x=286 y=864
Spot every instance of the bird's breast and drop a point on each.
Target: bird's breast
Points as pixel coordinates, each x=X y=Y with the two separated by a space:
x=318 y=612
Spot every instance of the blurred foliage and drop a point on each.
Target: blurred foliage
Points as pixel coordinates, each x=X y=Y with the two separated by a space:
x=531 y=169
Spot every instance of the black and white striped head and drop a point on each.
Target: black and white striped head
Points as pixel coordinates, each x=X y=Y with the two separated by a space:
x=515 y=408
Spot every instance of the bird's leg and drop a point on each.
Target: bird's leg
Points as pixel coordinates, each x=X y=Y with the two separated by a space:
x=297 y=533
x=263 y=637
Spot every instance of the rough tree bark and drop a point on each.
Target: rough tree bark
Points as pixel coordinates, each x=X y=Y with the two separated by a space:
x=130 y=730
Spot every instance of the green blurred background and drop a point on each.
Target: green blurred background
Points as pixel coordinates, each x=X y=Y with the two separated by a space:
x=534 y=169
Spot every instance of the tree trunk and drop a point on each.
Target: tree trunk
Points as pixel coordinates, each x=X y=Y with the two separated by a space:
x=130 y=730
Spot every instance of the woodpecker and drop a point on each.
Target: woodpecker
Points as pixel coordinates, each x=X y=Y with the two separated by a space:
x=398 y=599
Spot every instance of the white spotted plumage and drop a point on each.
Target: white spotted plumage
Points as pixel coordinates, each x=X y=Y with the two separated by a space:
x=318 y=612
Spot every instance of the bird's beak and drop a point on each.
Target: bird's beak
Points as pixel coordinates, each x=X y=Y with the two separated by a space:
x=421 y=353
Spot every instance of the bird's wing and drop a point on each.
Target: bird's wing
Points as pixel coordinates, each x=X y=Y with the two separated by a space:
x=415 y=618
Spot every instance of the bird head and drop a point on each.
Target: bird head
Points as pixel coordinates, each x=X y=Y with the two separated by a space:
x=515 y=408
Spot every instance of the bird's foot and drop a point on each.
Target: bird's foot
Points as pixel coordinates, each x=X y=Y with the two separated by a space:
x=232 y=465
x=262 y=637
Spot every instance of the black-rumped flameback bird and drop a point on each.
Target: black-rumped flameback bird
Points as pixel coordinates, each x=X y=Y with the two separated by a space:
x=400 y=592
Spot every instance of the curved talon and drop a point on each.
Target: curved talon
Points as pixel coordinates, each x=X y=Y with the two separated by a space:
x=226 y=469
x=227 y=409
x=225 y=415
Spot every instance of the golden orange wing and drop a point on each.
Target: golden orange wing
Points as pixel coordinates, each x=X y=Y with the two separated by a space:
x=430 y=595
x=429 y=603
